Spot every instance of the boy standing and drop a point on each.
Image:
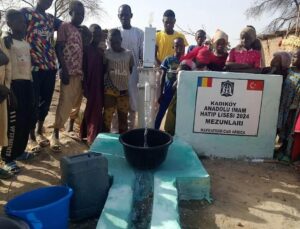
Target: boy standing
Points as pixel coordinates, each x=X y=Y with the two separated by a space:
x=169 y=76
x=165 y=39
x=40 y=31
x=86 y=36
x=22 y=89
x=119 y=63
x=200 y=37
x=93 y=85
x=5 y=77
x=70 y=55
x=133 y=40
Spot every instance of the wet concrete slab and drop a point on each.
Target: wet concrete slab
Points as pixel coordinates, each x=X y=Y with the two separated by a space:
x=181 y=177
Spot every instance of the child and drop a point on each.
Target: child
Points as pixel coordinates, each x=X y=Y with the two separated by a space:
x=219 y=52
x=198 y=51
x=119 y=63
x=279 y=65
x=93 y=85
x=40 y=28
x=244 y=58
x=170 y=124
x=290 y=101
x=169 y=67
x=86 y=36
x=5 y=77
x=200 y=37
x=165 y=38
x=70 y=55
x=22 y=88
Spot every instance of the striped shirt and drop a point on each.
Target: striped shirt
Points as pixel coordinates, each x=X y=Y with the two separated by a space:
x=118 y=66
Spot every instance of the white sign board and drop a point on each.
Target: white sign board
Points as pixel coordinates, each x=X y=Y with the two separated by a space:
x=228 y=106
x=227 y=114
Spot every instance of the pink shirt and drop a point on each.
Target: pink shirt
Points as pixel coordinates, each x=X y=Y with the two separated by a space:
x=73 y=50
x=244 y=56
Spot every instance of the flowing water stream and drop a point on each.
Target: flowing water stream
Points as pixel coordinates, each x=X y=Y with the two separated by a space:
x=147 y=109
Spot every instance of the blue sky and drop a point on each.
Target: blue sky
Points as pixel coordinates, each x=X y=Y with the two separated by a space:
x=227 y=15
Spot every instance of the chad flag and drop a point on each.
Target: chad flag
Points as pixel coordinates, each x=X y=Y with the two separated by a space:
x=205 y=82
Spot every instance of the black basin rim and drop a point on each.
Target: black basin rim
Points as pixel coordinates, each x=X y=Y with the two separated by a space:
x=141 y=147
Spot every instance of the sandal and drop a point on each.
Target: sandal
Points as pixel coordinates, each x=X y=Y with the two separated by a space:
x=34 y=147
x=12 y=168
x=73 y=135
x=25 y=156
x=55 y=145
x=42 y=140
x=5 y=174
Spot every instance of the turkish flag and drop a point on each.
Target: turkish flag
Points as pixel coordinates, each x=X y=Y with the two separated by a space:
x=255 y=85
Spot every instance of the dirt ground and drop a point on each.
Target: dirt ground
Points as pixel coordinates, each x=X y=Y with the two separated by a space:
x=246 y=195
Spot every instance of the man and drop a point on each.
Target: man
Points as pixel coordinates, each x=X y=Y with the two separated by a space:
x=165 y=38
x=133 y=39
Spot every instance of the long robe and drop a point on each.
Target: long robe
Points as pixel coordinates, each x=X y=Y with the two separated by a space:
x=93 y=85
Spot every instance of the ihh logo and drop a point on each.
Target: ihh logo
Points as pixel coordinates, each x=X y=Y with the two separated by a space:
x=227 y=88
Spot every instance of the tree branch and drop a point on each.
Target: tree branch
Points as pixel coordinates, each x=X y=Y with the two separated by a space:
x=288 y=10
x=189 y=32
x=28 y=3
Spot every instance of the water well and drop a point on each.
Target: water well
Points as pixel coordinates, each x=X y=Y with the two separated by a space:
x=149 y=82
x=148 y=198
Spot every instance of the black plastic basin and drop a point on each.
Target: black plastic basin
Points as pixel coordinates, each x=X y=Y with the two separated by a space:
x=12 y=223
x=141 y=157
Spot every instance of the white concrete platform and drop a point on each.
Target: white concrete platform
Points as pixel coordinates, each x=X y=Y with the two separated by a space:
x=181 y=176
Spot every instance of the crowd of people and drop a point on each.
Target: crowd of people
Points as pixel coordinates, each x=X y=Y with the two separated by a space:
x=30 y=61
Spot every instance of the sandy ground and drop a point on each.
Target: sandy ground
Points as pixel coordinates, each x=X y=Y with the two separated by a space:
x=246 y=195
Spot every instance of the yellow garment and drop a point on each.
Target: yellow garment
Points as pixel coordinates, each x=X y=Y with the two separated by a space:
x=170 y=123
x=114 y=102
x=164 y=43
x=5 y=79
